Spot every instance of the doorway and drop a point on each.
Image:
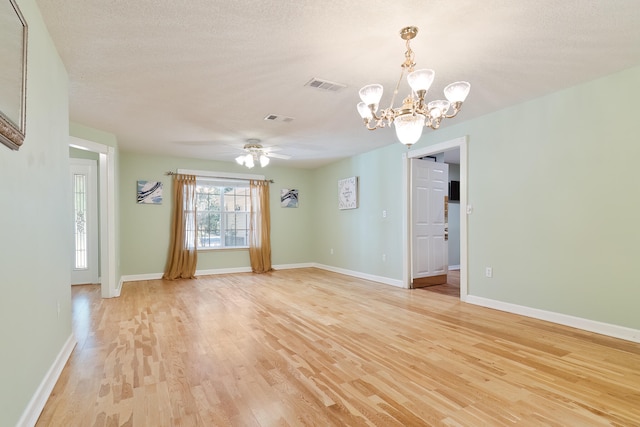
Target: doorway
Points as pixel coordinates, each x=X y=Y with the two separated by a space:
x=459 y=144
x=107 y=213
x=84 y=191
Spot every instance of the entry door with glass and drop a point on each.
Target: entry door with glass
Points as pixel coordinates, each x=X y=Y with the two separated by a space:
x=84 y=188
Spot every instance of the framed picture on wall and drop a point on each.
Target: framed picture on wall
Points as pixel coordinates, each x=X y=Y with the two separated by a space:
x=348 y=193
x=288 y=198
x=149 y=192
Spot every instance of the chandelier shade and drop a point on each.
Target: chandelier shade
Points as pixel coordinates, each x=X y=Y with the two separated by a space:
x=371 y=94
x=421 y=79
x=409 y=128
x=457 y=92
x=364 y=111
x=438 y=109
x=414 y=115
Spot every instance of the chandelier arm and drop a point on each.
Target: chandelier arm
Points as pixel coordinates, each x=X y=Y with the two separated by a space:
x=377 y=123
x=375 y=117
x=435 y=123
x=457 y=106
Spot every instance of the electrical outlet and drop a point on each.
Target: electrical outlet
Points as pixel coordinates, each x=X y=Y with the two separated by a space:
x=384 y=214
x=331 y=251
x=488 y=272
x=384 y=257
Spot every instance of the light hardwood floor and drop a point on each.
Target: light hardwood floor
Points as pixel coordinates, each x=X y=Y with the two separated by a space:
x=310 y=347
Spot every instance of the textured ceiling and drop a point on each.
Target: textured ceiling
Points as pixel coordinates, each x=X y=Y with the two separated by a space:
x=196 y=78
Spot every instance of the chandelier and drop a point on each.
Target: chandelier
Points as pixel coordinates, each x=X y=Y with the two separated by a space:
x=255 y=153
x=414 y=114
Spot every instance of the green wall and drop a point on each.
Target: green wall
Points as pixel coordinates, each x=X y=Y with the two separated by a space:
x=75 y=153
x=35 y=225
x=552 y=184
x=145 y=228
x=359 y=237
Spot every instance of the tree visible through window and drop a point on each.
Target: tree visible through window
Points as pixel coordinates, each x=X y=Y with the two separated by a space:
x=222 y=214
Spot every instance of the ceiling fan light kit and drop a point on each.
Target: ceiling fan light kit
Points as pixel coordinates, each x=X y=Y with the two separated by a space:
x=255 y=154
x=411 y=118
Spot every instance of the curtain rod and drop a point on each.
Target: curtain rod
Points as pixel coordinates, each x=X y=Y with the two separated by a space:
x=219 y=177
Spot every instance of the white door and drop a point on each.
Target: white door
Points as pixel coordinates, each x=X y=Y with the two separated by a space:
x=429 y=185
x=84 y=189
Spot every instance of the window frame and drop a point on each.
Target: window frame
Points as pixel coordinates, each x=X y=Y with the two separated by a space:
x=222 y=179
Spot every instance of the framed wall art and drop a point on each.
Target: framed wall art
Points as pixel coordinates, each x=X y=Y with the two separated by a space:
x=348 y=193
x=149 y=192
x=288 y=198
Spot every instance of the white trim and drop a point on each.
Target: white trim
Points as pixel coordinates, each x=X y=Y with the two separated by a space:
x=158 y=276
x=223 y=271
x=220 y=174
x=39 y=399
x=293 y=266
x=140 y=277
x=365 y=276
x=108 y=217
x=607 y=329
x=460 y=143
x=84 y=144
x=119 y=288
x=107 y=214
x=454 y=267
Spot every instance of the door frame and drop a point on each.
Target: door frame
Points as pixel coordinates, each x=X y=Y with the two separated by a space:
x=106 y=193
x=461 y=144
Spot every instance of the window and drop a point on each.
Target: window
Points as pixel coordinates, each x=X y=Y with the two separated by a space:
x=223 y=209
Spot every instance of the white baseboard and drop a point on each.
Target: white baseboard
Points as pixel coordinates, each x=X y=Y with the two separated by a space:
x=365 y=276
x=292 y=266
x=139 y=277
x=380 y=279
x=119 y=288
x=223 y=271
x=36 y=404
x=607 y=329
x=157 y=276
x=454 y=267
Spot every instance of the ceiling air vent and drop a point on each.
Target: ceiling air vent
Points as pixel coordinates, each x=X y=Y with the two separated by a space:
x=325 y=85
x=277 y=118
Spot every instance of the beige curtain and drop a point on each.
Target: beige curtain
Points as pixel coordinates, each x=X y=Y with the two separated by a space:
x=183 y=256
x=260 y=227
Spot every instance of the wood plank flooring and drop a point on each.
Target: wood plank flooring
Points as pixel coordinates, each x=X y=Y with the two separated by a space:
x=313 y=348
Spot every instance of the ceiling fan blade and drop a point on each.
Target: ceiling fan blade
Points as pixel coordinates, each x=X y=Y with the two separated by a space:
x=278 y=156
x=271 y=148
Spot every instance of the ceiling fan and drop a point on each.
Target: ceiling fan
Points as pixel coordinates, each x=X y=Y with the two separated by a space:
x=255 y=152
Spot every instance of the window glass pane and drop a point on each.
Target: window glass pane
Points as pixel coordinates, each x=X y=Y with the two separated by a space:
x=223 y=219
x=80 y=212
